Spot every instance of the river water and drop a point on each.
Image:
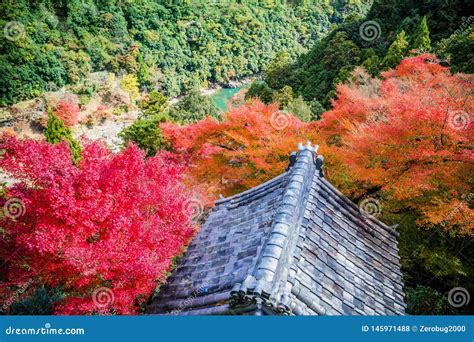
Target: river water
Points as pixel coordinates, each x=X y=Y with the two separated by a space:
x=221 y=96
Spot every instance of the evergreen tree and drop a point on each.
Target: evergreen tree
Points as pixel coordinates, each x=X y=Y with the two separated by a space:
x=421 y=37
x=371 y=62
x=284 y=96
x=143 y=72
x=396 y=51
x=316 y=109
x=146 y=133
x=194 y=107
x=299 y=108
x=277 y=72
x=460 y=52
x=155 y=103
x=56 y=132
x=261 y=90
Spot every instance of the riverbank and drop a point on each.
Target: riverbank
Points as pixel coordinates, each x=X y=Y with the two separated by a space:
x=215 y=88
x=99 y=119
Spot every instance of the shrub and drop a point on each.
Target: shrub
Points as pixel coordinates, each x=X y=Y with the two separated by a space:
x=194 y=107
x=101 y=114
x=155 y=103
x=299 y=108
x=85 y=90
x=40 y=302
x=129 y=83
x=67 y=112
x=56 y=132
x=146 y=133
x=424 y=300
x=104 y=232
x=284 y=96
x=261 y=90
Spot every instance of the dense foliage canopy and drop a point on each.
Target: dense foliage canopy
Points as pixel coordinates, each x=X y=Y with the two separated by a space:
x=250 y=146
x=102 y=233
x=173 y=45
x=410 y=136
x=391 y=31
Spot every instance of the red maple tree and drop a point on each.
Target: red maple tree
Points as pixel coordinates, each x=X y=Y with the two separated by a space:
x=104 y=231
x=67 y=112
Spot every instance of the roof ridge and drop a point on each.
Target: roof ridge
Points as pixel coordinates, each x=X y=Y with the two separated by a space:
x=283 y=247
x=282 y=238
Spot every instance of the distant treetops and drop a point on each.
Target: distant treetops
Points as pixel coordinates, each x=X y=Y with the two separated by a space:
x=172 y=46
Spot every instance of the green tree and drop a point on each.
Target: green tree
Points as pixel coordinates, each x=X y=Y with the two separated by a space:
x=155 y=103
x=420 y=39
x=146 y=133
x=300 y=109
x=143 y=72
x=56 y=132
x=277 y=71
x=316 y=109
x=371 y=62
x=284 y=96
x=396 y=51
x=261 y=90
x=194 y=107
x=459 y=50
x=341 y=51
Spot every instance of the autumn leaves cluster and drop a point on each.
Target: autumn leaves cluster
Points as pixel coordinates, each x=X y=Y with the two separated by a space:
x=115 y=221
x=405 y=138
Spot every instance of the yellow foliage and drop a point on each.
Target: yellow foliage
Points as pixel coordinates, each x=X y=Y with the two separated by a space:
x=129 y=83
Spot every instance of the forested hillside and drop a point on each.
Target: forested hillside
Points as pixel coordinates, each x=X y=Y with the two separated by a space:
x=170 y=45
x=391 y=31
x=384 y=89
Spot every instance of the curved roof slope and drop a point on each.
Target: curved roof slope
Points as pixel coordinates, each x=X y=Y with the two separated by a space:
x=294 y=245
x=223 y=253
x=345 y=263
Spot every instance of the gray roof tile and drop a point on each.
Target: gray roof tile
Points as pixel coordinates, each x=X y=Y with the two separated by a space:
x=295 y=243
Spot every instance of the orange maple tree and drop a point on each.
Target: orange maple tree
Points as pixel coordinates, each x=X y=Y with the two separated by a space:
x=250 y=146
x=408 y=135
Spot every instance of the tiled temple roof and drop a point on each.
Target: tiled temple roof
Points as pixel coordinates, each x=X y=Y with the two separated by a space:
x=293 y=245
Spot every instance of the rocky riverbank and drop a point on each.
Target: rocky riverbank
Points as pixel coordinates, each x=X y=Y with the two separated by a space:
x=98 y=117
